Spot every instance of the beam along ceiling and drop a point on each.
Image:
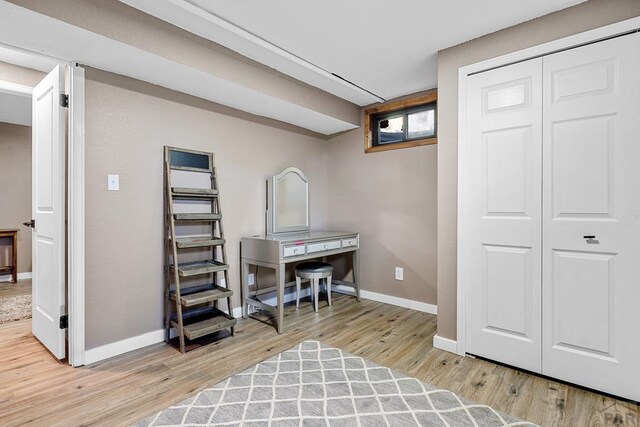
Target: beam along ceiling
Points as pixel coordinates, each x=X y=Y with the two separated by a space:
x=15 y=108
x=387 y=48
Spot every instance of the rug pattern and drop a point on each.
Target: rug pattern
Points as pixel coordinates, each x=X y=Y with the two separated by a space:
x=15 y=308
x=316 y=385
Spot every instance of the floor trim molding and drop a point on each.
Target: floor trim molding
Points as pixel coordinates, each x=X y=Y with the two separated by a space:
x=389 y=299
x=445 y=344
x=270 y=298
x=21 y=276
x=117 y=348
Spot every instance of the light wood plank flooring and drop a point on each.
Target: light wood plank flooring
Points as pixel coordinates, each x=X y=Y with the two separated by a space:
x=7 y=289
x=37 y=390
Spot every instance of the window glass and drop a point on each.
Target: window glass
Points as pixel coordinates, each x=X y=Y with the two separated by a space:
x=390 y=130
x=421 y=124
x=401 y=124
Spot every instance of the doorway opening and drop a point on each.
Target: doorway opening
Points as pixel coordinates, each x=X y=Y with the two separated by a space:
x=39 y=284
x=15 y=199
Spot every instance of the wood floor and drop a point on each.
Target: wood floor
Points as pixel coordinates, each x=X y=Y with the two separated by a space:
x=37 y=390
x=8 y=289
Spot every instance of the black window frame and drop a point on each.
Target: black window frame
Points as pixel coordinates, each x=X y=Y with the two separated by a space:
x=425 y=100
x=377 y=118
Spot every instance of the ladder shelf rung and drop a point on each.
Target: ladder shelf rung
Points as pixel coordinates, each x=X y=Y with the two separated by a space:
x=198 y=242
x=197 y=217
x=201 y=294
x=203 y=321
x=197 y=193
x=194 y=268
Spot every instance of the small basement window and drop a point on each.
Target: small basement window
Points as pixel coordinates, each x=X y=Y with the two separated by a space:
x=401 y=124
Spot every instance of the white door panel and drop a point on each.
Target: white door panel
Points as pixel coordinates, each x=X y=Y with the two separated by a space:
x=503 y=291
x=48 y=211
x=591 y=320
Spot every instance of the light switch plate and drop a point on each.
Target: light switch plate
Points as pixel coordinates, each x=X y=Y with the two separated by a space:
x=113 y=182
x=399 y=273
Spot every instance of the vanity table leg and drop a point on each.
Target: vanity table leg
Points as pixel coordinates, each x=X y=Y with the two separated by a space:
x=245 y=288
x=356 y=273
x=280 y=275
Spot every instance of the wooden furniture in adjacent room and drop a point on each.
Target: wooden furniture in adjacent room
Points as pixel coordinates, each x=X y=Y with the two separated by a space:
x=11 y=233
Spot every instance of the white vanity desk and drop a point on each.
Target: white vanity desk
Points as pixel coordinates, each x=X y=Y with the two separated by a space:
x=288 y=239
x=277 y=250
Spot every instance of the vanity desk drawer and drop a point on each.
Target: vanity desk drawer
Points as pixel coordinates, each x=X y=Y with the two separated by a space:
x=327 y=245
x=292 y=250
x=350 y=242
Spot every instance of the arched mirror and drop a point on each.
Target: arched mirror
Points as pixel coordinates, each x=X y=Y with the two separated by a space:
x=288 y=205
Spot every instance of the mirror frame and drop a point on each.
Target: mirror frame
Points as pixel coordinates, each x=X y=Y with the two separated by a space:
x=272 y=214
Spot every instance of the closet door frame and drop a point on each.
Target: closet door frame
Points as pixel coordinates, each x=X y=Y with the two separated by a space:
x=598 y=34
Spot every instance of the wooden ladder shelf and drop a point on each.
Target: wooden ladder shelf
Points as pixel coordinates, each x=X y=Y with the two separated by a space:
x=193 y=310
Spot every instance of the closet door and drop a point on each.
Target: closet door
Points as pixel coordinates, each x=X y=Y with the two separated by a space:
x=504 y=286
x=591 y=216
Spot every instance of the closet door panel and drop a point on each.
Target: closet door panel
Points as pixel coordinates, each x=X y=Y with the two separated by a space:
x=504 y=255
x=591 y=216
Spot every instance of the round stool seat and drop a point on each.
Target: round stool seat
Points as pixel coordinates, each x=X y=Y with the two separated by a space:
x=314 y=271
x=310 y=270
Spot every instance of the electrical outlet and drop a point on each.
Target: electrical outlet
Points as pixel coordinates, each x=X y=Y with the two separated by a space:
x=399 y=273
x=252 y=279
x=223 y=283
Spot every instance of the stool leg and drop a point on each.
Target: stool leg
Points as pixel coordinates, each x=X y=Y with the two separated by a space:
x=314 y=289
x=298 y=280
x=311 y=289
x=329 y=290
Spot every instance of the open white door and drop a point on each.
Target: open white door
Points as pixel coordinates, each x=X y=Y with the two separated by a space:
x=48 y=205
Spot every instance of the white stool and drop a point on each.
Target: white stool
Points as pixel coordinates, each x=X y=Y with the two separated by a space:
x=314 y=271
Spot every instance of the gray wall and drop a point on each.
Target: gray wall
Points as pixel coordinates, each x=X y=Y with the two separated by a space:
x=583 y=17
x=15 y=74
x=390 y=198
x=127 y=124
x=15 y=191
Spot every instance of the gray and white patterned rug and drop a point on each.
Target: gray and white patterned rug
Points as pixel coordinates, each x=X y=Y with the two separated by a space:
x=316 y=385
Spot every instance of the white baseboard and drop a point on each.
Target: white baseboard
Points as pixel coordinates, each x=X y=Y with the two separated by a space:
x=270 y=298
x=124 y=346
x=445 y=344
x=134 y=343
x=129 y=344
x=21 y=276
x=388 y=299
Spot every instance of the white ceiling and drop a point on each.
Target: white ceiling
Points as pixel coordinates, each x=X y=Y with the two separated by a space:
x=388 y=48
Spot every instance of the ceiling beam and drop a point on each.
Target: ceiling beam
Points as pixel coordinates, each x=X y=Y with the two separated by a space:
x=36 y=32
x=203 y=23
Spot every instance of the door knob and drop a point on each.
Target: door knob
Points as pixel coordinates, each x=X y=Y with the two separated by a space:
x=31 y=224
